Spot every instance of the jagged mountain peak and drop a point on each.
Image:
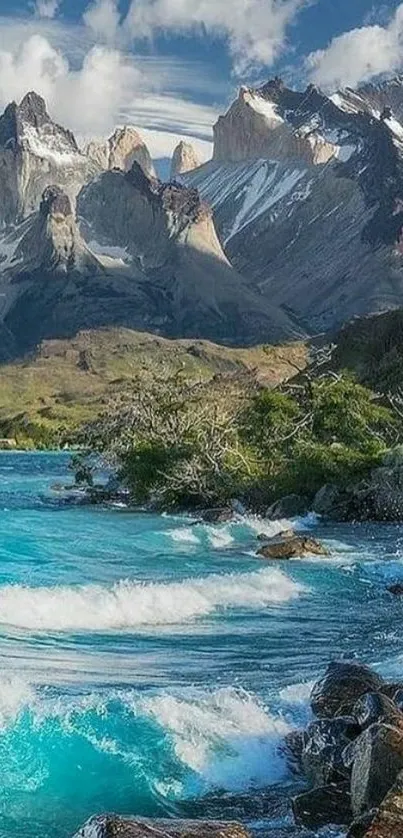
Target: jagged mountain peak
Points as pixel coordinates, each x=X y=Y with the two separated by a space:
x=36 y=152
x=29 y=125
x=184 y=159
x=121 y=150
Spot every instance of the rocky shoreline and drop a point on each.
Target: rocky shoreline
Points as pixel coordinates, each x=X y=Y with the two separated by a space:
x=347 y=764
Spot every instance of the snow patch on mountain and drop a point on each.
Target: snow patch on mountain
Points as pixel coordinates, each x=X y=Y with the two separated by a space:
x=48 y=146
x=263 y=107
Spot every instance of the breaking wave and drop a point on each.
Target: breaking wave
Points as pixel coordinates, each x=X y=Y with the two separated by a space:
x=128 y=605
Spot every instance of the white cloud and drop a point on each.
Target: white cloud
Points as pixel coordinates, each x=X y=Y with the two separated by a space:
x=255 y=29
x=359 y=55
x=103 y=18
x=107 y=88
x=47 y=8
x=88 y=100
x=171 y=113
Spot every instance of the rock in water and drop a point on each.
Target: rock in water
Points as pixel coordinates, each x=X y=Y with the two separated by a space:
x=321 y=806
x=341 y=686
x=111 y=826
x=184 y=159
x=291 y=548
x=322 y=753
x=378 y=760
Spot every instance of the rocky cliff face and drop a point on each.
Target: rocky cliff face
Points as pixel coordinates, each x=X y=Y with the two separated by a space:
x=152 y=261
x=34 y=153
x=184 y=160
x=307 y=193
x=167 y=231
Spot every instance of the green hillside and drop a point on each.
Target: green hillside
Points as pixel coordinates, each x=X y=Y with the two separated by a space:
x=67 y=382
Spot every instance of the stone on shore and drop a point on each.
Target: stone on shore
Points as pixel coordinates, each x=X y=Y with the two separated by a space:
x=376 y=707
x=387 y=822
x=321 y=806
x=290 y=506
x=322 y=753
x=112 y=826
x=336 y=693
x=221 y=515
x=377 y=762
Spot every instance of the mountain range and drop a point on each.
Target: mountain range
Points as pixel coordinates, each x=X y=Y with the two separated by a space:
x=293 y=227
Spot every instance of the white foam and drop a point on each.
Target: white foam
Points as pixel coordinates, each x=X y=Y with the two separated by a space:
x=226 y=737
x=183 y=535
x=219 y=538
x=266 y=527
x=129 y=605
x=15 y=694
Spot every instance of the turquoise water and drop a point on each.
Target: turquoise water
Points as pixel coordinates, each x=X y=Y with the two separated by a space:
x=146 y=661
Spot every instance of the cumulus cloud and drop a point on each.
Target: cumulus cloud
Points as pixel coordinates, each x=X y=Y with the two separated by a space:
x=89 y=99
x=103 y=18
x=108 y=88
x=47 y=8
x=359 y=55
x=254 y=29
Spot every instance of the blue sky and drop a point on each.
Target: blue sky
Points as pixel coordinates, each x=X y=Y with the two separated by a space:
x=171 y=66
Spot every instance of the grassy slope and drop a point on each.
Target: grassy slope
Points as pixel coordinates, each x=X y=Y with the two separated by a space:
x=69 y=381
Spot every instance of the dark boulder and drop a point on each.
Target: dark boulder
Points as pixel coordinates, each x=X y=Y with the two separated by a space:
x=332 y=503
x=292 y=548
x=322 y=754
x=377 y=761
x=221 y=515
x=397 y=589
x=375 y=707
x=291 y=506
x=321 y=806
x=387 y=822
x=343 y=683
x=293 y=748
x=112 y=826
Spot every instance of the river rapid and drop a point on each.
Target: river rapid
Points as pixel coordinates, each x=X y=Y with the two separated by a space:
x=153 y=666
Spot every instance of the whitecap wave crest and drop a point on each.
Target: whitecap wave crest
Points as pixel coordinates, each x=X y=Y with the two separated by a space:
x=128 y=605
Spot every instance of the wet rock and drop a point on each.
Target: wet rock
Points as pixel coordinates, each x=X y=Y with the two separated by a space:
x=111 y=826
x=375 y=707
x=291 y=548
x=284 y=534
x=218 y=516
x=321 y=806
x=288 y=507
x=324 y=745
x=270 y=803
x=377 y=762
x=387 y=822
x=341 y=686
x=293 y=748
